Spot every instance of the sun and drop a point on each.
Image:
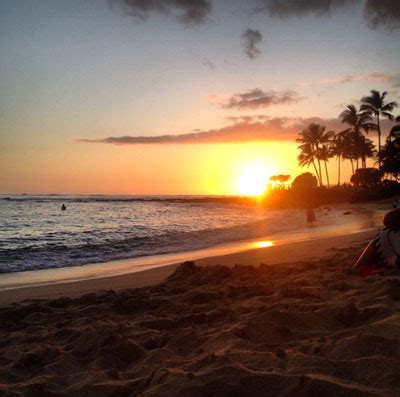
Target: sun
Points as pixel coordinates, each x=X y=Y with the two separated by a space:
x=253 y=179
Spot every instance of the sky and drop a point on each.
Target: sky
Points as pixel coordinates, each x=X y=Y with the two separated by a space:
x=180 y=96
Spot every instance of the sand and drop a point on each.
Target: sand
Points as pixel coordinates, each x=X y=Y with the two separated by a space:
x=306 y=327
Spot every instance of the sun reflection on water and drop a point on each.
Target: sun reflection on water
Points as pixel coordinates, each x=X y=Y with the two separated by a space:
x=263 y=244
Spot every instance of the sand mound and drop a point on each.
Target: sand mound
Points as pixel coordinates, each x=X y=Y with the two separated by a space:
x=301 y=329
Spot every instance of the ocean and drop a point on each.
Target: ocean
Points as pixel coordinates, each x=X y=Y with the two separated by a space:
x=36 y=234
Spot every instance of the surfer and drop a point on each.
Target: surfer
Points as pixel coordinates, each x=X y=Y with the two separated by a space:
x=63 y=207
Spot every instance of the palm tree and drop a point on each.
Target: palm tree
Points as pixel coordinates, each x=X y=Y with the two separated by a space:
x=349 y=152
x=390 y=154
x=307 y=157
x=338 y=149
x=324 y=155
x=395 y=131
x=363 y=148
x=391 y=158
x=315 y=136
x=358 y=121
x=375 y=105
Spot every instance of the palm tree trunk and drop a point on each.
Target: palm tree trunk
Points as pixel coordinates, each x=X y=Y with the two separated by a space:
x=321 y=182
x=379 y=140
x=352 y=166
x=327 y=175
x=316 y=171
x=338 y=181
x=319 y=167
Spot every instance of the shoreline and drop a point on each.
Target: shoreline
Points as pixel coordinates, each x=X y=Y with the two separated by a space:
x=252 y=252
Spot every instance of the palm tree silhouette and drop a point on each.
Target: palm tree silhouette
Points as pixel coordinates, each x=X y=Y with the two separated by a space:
x=349 y=152
x=357 y=120
x=395 y=131
x=314 y=136
x=339 y=148
x=307 y=157
x=375 y=105
x=363 y=148
x=324 y=155
x=390 y=154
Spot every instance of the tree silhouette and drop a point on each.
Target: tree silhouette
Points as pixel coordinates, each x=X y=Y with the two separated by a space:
x=390 y=155
x=305 y=181
x=357 y=120
x=307 y=157
x=311 y=140
x=338 y=148
x=325 y=154
x=375 y=105
x=281 y=179
x=367 y=177
x=395 y=131
x=363 y=148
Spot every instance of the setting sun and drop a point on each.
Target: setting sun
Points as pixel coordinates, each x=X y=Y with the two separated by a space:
x=253 y=179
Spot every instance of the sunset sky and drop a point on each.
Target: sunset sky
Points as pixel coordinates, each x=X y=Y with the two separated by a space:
x=179 y=97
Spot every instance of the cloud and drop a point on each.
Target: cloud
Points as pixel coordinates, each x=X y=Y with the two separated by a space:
x=251 y=130
x=208 y=64
x=296 y=8
x=189 y=12
x=256 y=99
x=391 y=78
x=383 y=14
x=379 y=14
x=252 y=38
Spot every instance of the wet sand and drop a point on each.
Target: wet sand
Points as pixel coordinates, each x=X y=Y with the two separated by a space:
x=70 y=282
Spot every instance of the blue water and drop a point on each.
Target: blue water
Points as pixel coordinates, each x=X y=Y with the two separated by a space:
x=36 y=234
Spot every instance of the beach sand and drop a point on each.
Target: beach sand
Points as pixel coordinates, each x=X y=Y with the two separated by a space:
x=299 y=324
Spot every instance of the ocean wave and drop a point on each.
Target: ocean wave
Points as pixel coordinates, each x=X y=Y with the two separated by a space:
x=53 y=255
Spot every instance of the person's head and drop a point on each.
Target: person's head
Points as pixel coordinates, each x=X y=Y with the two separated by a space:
x=392 y=219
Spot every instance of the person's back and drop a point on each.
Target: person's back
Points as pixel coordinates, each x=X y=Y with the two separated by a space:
x=383 y=252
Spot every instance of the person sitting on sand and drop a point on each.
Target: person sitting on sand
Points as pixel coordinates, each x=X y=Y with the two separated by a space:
x=310 y=216
x=383 y=252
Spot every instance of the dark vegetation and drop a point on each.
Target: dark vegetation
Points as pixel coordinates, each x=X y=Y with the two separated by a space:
x=318 y=146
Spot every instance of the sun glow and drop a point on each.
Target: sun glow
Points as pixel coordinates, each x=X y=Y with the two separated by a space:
x=263 y=244
x=253 y=179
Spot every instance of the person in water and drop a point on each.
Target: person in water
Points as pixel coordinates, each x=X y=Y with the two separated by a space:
x=383 y=251
x=310 y=216
x=63 y=207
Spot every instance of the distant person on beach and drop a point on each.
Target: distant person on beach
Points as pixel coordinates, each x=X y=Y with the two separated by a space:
x=310 y=217
x=63 y=207
x=383 y=252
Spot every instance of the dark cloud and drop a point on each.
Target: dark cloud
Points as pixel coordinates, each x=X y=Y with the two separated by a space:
x=383 y=14
x=189 y=12
x=278 y=128
x=252 y=38
x=258 y=98
x=294 y=8
x=380 y=14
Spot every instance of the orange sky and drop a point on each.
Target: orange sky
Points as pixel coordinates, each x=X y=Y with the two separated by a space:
x=152 y=169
